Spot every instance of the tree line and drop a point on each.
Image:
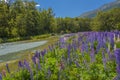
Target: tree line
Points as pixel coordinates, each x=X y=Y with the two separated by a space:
x=23 y=19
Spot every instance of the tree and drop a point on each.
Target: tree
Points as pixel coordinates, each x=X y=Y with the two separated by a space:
x=3 y=20
x=106 y=21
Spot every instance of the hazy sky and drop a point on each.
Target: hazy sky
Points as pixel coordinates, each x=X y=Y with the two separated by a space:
x=71 y=8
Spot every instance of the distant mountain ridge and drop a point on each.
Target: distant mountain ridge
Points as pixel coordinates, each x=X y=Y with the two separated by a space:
x=105 y=7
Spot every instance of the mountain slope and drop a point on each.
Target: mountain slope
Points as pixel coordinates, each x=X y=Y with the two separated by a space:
x=90 y=14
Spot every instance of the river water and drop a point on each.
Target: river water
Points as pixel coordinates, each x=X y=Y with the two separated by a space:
x=8 y=48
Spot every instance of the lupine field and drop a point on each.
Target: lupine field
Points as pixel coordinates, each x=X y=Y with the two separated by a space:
x=76 y=56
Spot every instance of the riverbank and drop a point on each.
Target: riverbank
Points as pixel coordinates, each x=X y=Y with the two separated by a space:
x=24 y=39
x=25 y=54
x=12 y=48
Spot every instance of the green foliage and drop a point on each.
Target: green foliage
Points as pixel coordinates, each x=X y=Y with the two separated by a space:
x=40 y=36
x=1 y=40
x=106 y=21
x=67 y=24
x=22 y=19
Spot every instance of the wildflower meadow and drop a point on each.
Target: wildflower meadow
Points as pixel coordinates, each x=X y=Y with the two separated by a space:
x=76 y=56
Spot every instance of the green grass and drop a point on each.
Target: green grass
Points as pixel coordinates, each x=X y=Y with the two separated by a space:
x=118 y=44
x=30 y=38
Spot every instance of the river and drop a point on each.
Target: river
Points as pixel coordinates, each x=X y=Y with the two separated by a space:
x=8 y=48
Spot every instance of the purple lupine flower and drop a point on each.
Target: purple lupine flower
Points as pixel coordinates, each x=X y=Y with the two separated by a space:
x=92 y=55
x=37 y=54
x=45 y=51
x=117 y=55
x=104 y=59
x=91 y=45
x=20 y=64
x=74 y=45
x=100 y=45
x=33 y=59
x=79 y=38
x=117 y=78
x=112 y=57
x=62 y=42
x=83 y=47
x=118 y=69
x=7 y=67
x=98 y=48
x=49 y=73
x=111 y=40
x=104 y=43
x=62 y=66
x=49 y=48
x=86 y=47
x=28 y=68
x=77 y=64
x=38 y=62
x=85 y=63
x=26 y=64
x=69 y=49
x=0 y=76
x=42 y=53
x=109 y=54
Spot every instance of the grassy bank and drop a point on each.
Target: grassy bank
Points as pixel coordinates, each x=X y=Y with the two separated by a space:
x=30 y=38
x=26 y=54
